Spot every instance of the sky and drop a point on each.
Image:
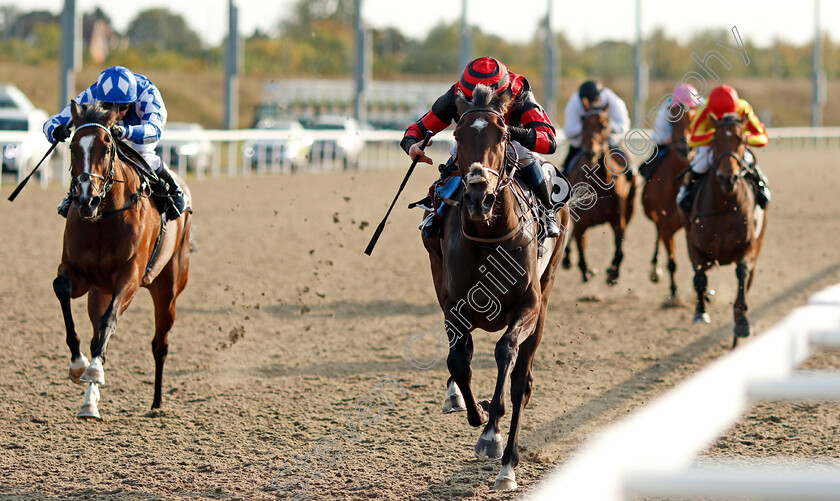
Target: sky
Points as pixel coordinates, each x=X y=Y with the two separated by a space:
x=582 y=22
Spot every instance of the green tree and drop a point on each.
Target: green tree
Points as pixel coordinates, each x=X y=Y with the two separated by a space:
x=164 y=30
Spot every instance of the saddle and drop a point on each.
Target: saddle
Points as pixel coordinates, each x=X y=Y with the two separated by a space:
x=148 y=176
x=648 y=168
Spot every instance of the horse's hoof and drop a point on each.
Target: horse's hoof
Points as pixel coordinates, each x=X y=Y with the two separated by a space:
x=94 y=373
x=743 y=330
x=454 y=401
x=672 y=302
x=489 y=446
x=655 y=275
x=89 y=409
x=505 y=484
x=702 y=318
x=77 y=368
x=566 y=264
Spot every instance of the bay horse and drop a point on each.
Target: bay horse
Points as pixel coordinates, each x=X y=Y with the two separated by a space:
x=725 y=226
x=603 y=170
x=659 y=196
x=109 y=238
x=489 y=273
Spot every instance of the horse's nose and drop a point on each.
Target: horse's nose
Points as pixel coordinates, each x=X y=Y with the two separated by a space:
x=488 y=202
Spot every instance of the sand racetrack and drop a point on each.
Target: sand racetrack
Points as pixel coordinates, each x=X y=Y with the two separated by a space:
x=286 y=327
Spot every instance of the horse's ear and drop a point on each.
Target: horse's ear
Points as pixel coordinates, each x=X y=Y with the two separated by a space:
x=75 y=112
x=461 y=102
x=504 y=102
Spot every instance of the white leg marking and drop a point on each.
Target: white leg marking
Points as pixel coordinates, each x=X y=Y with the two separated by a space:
x=94 y=373
x=89 y=408
x=506 y=481
x=77 y=368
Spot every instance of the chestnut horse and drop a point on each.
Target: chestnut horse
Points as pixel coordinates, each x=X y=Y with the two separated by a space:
x=109 y=238
x=489 y=273
x=659 y=197
x=603 y=170
x=725 y=226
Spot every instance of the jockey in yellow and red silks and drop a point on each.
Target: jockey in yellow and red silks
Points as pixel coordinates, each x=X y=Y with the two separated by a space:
x=724 y=100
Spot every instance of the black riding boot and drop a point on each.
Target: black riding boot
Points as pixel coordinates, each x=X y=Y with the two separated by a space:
x=552 y=229
x=64 y=206
x=685 y=197
x=177 y=196
x=762 y=194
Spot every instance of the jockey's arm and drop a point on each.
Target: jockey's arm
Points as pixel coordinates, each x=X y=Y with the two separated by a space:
x=619 y=117
x=150 y=109
x=701 y=131
x=442 y=114
x=754 y=129
x=535 y=132
x=64 y=116
x=573 y=125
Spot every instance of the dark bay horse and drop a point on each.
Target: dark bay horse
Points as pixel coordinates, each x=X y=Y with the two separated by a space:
x=489 y=274
x=725 y=226
x=109 y=238
x=612 y=192
x=659 y=197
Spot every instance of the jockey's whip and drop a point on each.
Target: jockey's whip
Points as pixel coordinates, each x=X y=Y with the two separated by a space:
x=26 y=179
x=381 y=226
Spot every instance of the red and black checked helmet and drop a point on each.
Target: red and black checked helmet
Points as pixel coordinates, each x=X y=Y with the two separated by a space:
x=486 y=71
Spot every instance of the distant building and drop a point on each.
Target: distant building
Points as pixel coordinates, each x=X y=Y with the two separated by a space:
x=389 y=105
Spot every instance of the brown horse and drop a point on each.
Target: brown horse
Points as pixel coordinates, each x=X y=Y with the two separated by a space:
x=725 y=226
x=109 y=239
x=659 y=197
x=603 y=170
x=489 y=273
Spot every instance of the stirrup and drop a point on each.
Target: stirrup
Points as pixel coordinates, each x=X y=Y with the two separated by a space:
x=552 y=229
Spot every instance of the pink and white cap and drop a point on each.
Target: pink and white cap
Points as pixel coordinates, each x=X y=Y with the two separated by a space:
x=686 y=95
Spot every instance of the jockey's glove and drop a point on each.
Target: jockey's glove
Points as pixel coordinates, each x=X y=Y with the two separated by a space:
x=61 y=133
x=119 y=132
x=519 y=134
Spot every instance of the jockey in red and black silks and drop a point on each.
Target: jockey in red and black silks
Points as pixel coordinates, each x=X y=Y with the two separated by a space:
x=528 y=124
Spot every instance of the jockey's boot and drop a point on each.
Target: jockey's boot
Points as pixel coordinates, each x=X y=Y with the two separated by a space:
x=178 y=199
x=552 y=229
x=432 y=226
x=685 y=196
x=762 y=194
x=64 y=206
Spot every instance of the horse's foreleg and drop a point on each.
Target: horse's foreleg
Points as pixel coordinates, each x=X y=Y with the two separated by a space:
x=489 y=444
x=65 y=289
x=521 y=384
x=458 y=361
x=742 y=323
x=668 y=241
x=580 y=241
x=567 y=260
x=618 y=233
x=700 y=285
x=655 y=272
x=95 y=373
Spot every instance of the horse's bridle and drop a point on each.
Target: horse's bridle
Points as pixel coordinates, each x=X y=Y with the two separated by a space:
x=505 y=180
x=744 y=168
x=85 y=177
x=594 y=111
x=506 y=175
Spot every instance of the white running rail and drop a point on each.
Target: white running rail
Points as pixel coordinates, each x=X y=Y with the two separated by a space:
x=652 y=452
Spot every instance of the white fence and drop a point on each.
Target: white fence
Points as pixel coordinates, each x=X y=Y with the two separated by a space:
x=260 y=151
x=651 y=453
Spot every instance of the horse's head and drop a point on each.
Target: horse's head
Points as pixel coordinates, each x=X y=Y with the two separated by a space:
x=728 y=148
x=594 y=133
x=482 y=137
x=92 y=156
x=681 y=118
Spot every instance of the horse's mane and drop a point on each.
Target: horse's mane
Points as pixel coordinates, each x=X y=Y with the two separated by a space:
x=94 y=113
x=482 y=96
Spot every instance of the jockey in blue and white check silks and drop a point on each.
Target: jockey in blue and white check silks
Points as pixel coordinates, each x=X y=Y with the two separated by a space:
x=143 y=122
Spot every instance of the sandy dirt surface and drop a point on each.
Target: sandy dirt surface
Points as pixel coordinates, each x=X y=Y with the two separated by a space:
x=287 y=333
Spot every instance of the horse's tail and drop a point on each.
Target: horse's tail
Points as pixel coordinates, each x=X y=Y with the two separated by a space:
x=582 y=196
